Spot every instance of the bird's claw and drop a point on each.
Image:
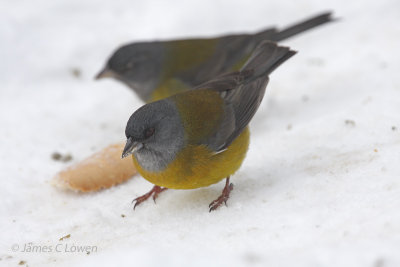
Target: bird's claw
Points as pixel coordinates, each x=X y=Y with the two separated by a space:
x=223 y=198
x=155 y=191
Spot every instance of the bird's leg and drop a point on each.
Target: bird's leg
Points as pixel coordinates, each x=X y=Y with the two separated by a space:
x=155 y=191
x=223 y=197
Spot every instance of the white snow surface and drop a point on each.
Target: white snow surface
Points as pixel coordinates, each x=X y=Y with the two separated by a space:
x=313 y=190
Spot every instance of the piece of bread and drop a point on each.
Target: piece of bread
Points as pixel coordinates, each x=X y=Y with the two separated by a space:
x=101 y=170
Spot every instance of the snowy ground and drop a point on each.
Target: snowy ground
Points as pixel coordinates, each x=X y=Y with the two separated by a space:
x=320 y=185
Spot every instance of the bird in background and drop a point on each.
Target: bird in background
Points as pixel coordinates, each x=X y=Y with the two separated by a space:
x=155 y=70
x=199 y=137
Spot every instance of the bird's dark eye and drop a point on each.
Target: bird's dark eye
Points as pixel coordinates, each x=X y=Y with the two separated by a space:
x=149 y=132
x=129 y=65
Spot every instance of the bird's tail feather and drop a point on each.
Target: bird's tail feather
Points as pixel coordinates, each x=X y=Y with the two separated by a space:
x=266 y=58
x=295 y=29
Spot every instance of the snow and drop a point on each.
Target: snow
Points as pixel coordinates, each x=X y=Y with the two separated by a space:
x=313 y=190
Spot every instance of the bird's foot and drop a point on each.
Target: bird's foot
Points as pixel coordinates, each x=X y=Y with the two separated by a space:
x=155 y=191
x=223 y=197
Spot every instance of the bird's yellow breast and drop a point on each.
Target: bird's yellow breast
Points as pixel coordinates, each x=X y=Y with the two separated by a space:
x=197 y=166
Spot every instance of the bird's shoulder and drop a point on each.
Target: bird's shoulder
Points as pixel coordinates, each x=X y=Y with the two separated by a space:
x=201 y=112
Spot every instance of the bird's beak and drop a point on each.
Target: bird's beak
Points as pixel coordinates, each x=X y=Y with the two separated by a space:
x=130 y=147
x=105 y=73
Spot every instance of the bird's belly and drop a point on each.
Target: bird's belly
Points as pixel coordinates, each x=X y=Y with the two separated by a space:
x=198 y=166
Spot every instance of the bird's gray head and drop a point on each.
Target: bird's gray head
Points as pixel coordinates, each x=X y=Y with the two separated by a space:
x=154 y=135
x=137 y=65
